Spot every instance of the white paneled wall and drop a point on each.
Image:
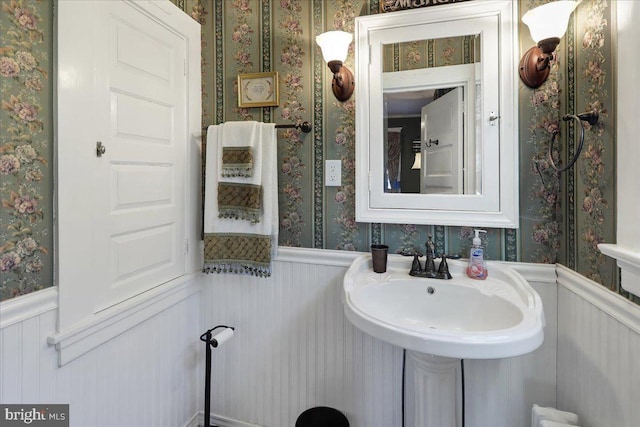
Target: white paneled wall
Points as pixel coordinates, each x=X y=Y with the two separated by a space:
x=293 y=349
x=598 y=353
x=501 y=392
x=148 y=376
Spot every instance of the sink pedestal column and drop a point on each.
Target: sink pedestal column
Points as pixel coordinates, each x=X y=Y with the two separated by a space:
x=433 y=391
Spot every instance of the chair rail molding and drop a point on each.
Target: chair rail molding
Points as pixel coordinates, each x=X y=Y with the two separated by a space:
x=615 y=305
x=83 y=337
x=24 y=307
x=316 y=256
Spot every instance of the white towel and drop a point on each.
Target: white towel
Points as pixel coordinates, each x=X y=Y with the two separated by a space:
x=545 y=423
x=240 y=186
x=242 y=136
x=235 y=245
x=541 y=413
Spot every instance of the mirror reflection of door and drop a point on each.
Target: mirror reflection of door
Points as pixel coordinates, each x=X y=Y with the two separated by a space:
x=405 y=95
x=442 y=144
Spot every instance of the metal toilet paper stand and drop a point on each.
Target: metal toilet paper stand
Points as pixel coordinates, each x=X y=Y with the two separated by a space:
x=212 y=341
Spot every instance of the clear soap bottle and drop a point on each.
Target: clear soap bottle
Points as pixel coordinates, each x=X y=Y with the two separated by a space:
x=477 y=267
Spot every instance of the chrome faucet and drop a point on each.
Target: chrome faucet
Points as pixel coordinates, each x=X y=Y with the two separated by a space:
x=429 y=269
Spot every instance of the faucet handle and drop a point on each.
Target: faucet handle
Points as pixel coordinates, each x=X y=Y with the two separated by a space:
x=416 y=268
x=443 y=268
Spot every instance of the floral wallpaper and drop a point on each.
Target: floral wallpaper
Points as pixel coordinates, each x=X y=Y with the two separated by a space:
x=25 y=147
x=291 y=64
x=543 y=201
x=346 y=233
x=595 y=174
x=563 y=217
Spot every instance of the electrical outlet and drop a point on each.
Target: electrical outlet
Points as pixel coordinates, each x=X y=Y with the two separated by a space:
x=333 y=173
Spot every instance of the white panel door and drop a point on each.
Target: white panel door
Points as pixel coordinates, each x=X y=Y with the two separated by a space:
x=121 y=215
x=442 y=144
x=141 y=93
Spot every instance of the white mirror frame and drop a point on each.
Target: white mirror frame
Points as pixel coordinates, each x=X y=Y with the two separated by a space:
x=497 y=206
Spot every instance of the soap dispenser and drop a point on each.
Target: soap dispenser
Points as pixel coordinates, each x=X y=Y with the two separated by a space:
x=477 y=268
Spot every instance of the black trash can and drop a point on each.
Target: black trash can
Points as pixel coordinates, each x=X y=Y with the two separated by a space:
x=322 y=416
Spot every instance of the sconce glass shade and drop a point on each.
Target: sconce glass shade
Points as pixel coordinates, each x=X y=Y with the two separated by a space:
x=417 y=162
x=547 y=25
x=334 y=45
x=549 y=20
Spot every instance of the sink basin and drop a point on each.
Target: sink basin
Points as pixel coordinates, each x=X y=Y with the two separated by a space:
x=462 y=318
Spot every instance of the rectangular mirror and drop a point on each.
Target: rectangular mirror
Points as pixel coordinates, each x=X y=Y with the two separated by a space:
x=436 y=115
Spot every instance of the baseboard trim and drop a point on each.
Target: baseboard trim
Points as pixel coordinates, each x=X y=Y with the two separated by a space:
x=194 y=421
x=197 y=420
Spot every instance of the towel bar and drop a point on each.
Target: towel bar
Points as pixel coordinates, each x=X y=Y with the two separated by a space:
x=304 y=127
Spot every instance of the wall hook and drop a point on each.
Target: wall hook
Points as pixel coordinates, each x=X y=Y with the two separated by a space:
x=590 y=117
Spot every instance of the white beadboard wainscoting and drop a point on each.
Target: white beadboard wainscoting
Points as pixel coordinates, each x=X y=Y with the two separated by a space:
x=293 y=348
x=598 y=353
x=501 y=392
x=149 y=375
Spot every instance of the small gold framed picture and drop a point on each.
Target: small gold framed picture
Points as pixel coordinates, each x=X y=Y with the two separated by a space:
x=258 y=90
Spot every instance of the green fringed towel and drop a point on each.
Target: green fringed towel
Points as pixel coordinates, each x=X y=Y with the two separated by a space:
x=240 y=201
x=237 y=161
x=237 y=253
x=241 y=213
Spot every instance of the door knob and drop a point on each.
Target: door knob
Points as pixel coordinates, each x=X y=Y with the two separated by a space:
x=100 y=149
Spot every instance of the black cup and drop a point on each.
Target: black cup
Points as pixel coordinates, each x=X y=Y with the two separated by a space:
x=379 y=257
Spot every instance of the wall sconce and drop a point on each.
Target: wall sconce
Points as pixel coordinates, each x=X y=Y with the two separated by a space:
x=417 y=161
x=335 y=47
x=547 y=24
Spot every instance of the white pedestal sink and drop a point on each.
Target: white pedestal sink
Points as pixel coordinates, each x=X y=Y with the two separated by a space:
x=441 y=322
